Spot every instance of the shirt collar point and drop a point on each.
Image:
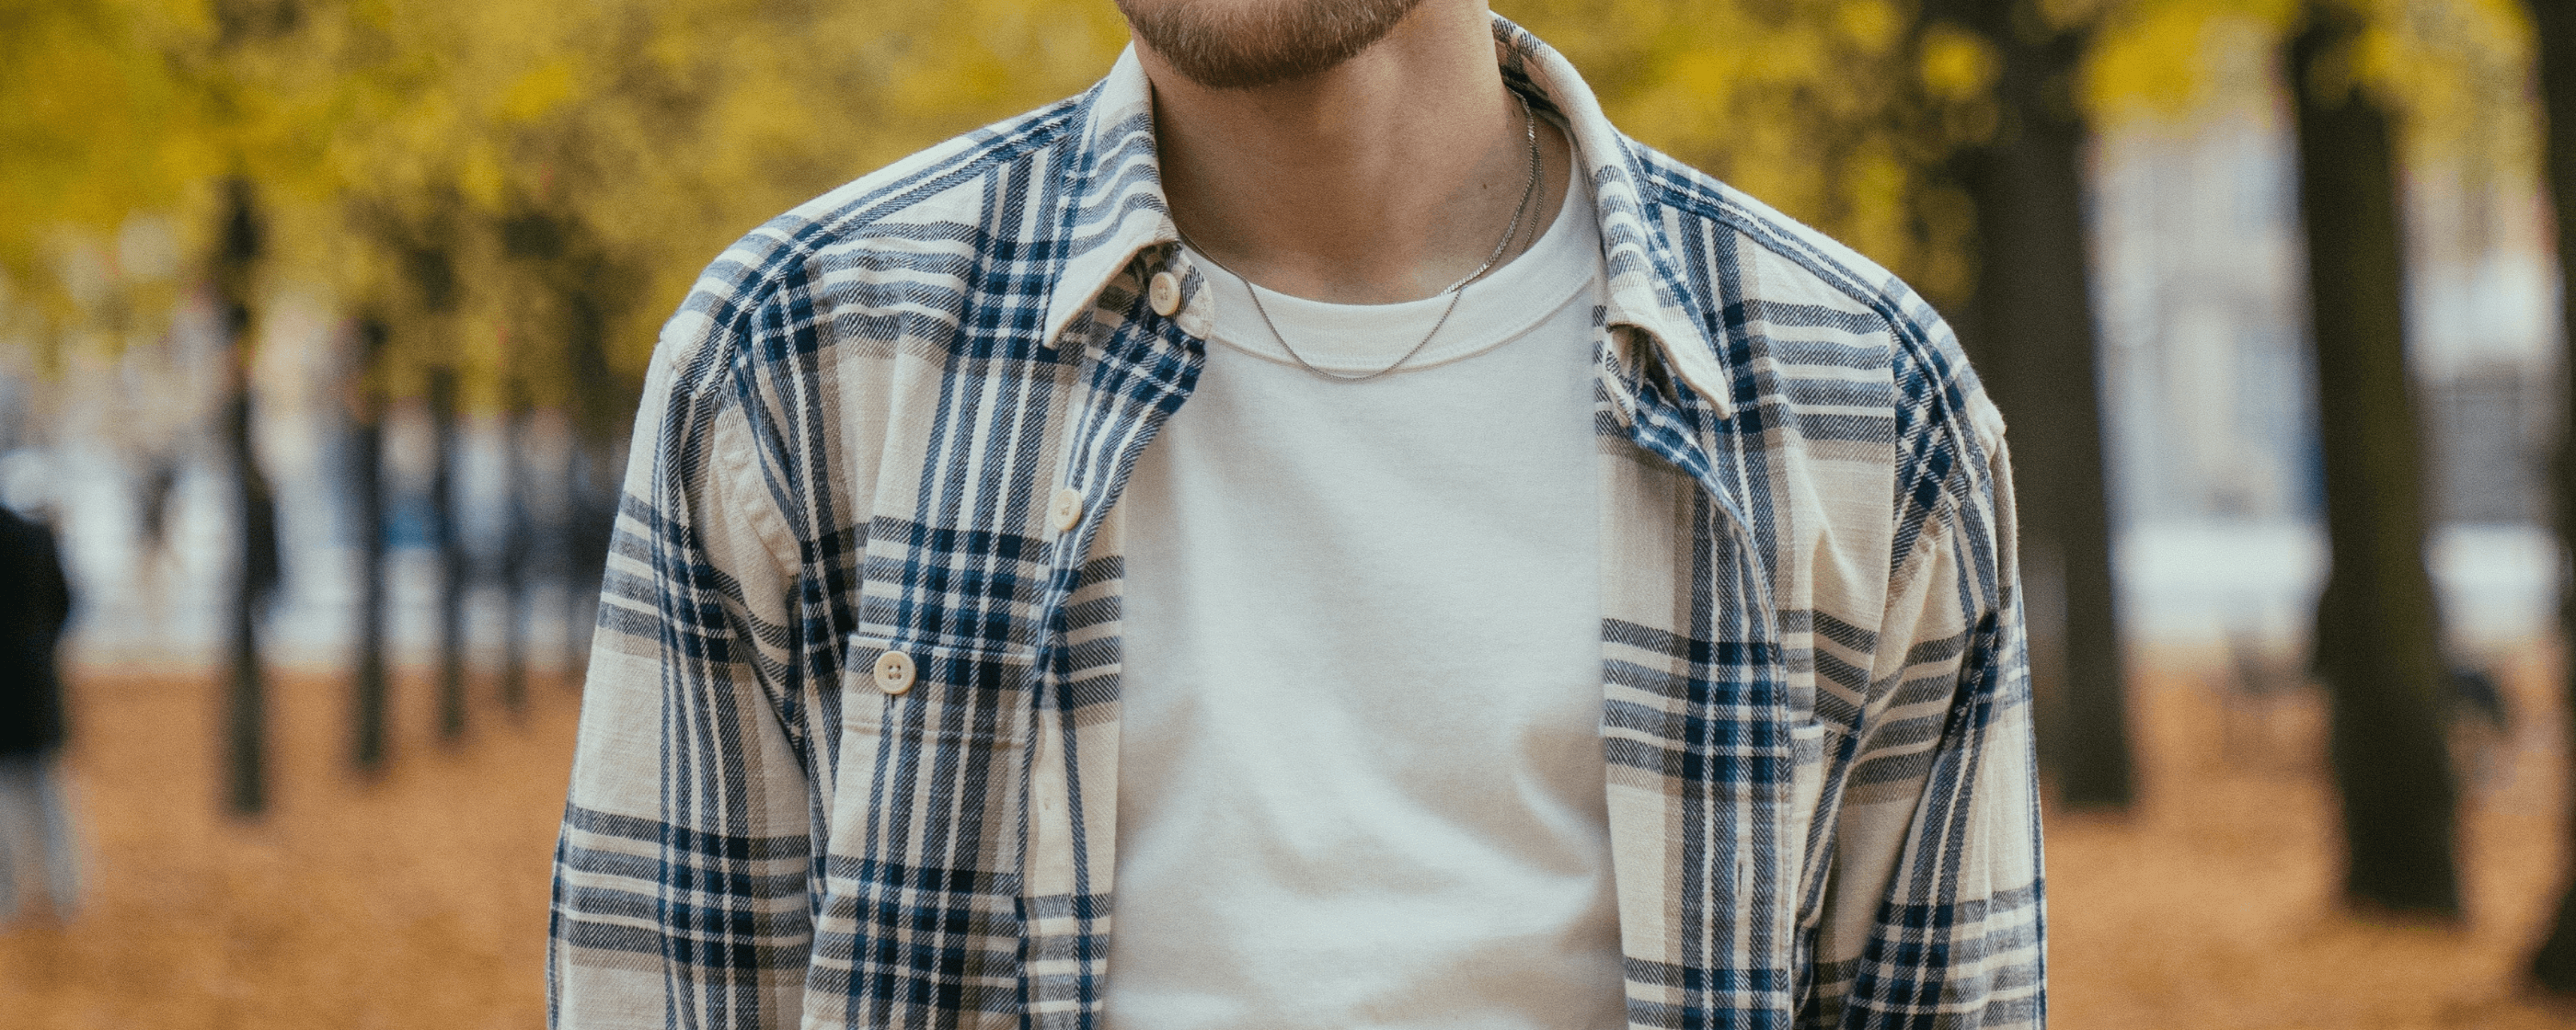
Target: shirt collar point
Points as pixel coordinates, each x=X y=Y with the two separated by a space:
x=1686 y=353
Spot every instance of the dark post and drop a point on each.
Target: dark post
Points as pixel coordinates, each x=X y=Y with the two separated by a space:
x=589 y=526
x=368 y=745
x=514 y=562
x=2377 y=643
x=451 y=557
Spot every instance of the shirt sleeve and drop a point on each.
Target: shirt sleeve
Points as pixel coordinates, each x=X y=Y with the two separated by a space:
x=681 y=878
x=1933 y=912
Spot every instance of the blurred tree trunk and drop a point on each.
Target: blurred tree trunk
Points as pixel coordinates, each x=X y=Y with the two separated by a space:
x=450 y=554
x=603 y=410
x=246 y=710
x=2554 y=965
x=2031 y=328
x=2377 y=641
x=368 y=743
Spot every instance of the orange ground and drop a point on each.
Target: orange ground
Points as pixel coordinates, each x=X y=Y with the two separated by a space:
x=2213 y=904
x=415 y=901
x=419 y=900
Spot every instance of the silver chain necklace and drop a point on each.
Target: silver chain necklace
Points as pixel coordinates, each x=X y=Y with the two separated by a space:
x=1456 y=290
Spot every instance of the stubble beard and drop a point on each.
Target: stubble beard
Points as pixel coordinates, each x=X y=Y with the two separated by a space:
x=1245 y=44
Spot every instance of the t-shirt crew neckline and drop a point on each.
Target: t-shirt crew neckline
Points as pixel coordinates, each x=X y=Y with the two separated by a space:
x=1354 y=338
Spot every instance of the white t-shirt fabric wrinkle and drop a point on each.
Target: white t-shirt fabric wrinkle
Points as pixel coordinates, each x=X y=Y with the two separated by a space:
x=1361 y=779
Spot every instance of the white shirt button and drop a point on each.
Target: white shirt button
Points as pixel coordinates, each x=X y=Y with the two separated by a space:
x=1066 y=510
x=894 y=672
x=1165 y=293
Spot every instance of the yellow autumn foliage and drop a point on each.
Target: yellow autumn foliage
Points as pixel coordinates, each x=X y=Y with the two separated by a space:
x=1831 y=110
x=521 y=192
x=2456 y=73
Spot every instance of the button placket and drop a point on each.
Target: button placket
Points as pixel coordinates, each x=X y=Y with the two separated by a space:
x=1065 y=511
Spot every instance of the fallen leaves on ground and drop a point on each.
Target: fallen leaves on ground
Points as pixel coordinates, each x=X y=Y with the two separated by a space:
x=417 y=899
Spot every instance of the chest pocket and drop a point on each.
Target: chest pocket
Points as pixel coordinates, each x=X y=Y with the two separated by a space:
x=919 y=920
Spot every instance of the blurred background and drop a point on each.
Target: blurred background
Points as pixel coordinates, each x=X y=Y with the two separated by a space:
x=322 y=325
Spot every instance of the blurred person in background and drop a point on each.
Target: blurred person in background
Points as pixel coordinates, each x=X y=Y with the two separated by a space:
x=1325 y=496
x=36 y=846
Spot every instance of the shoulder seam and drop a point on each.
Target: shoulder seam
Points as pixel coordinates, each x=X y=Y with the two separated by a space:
x=1890 y=309
x=1779 y=240
x=759 y=286
x=1965 y=418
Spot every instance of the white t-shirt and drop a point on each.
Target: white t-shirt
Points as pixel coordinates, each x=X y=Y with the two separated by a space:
x=1360 y=774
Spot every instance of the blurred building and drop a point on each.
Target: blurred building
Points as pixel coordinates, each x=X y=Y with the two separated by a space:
x=2205 y=363
x=126 y=451
x=2210 y=393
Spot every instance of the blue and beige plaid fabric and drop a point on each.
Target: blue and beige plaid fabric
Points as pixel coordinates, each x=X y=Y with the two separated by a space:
x=1815 y=711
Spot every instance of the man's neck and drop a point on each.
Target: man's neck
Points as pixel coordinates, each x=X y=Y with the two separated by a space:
x=1381 y=180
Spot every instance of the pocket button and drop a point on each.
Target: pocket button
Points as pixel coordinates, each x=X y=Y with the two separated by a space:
x=894 y=672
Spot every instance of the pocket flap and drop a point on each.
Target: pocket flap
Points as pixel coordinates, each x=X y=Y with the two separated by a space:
x=940 y=691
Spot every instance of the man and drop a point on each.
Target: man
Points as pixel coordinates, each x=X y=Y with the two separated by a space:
x=1316 y=531
x=36 y=844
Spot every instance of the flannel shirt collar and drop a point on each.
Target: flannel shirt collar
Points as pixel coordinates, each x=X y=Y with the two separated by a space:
x=1119 y=173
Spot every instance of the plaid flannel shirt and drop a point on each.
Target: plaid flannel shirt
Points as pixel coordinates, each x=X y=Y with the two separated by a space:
x=1815 y=707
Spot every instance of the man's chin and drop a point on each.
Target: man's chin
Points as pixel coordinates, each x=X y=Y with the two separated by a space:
x=1248 y=44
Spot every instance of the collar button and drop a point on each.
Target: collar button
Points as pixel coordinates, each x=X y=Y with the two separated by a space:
x=1066 y=511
